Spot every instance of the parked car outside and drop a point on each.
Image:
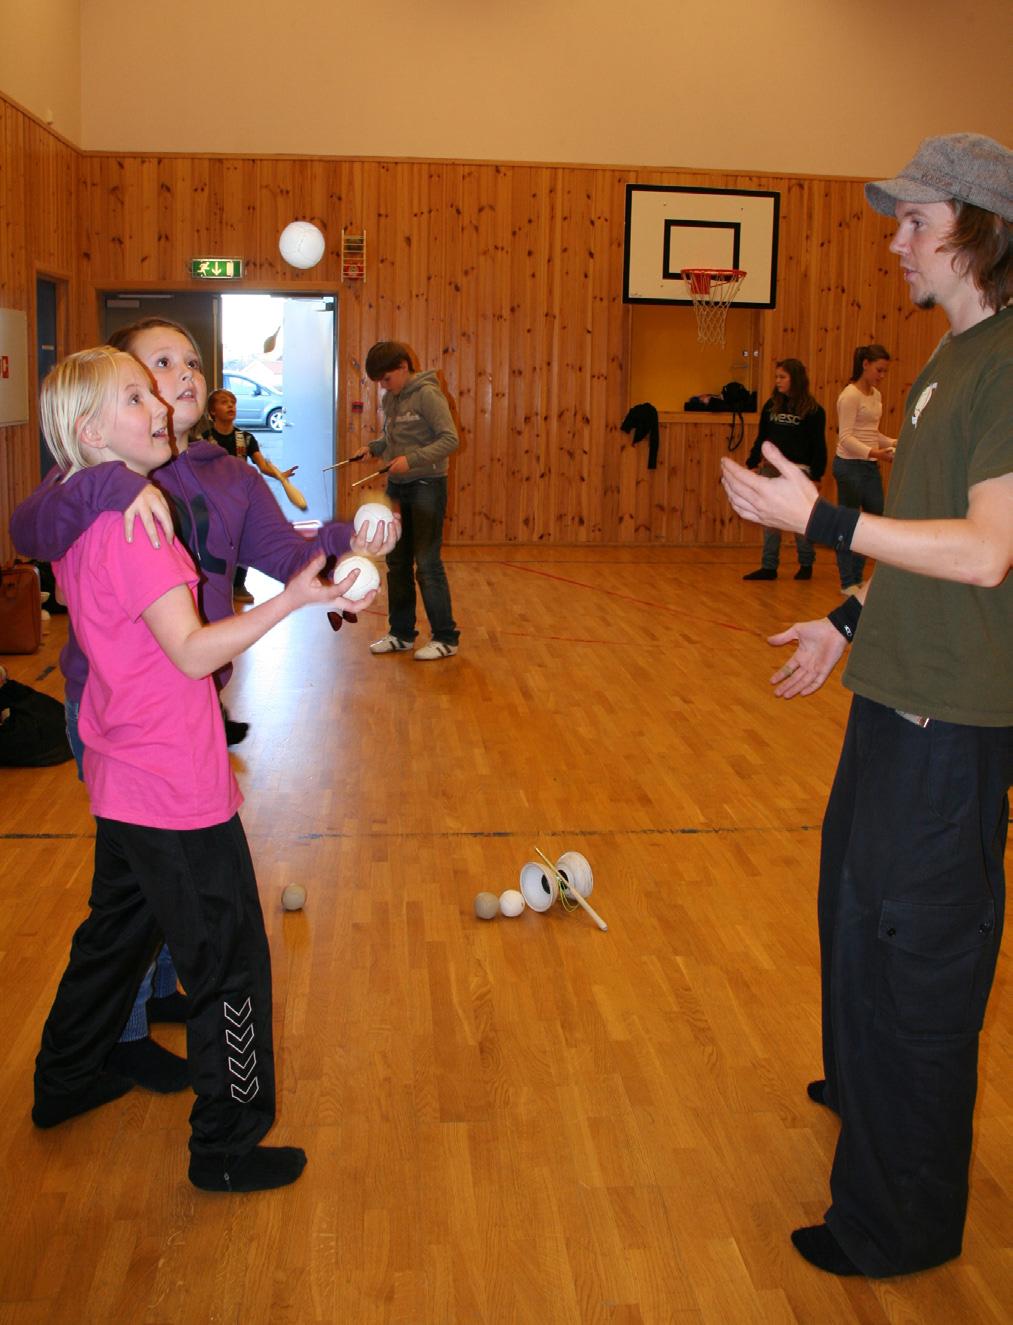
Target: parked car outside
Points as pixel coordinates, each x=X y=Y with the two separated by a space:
x=257 y=405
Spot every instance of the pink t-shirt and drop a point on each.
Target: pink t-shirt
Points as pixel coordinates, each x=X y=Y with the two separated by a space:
x=155 y=751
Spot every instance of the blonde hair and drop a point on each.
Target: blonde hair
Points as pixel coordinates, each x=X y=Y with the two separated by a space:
x=74 y=394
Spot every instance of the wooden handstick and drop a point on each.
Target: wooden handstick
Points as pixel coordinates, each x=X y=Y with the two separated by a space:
x=358 y=482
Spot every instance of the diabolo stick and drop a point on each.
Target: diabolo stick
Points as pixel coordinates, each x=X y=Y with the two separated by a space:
x=359 y=481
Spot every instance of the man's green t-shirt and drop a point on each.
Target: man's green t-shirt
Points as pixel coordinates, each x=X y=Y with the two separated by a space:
x=935 y=647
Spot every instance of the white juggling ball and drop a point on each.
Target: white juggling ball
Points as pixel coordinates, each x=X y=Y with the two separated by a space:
x=371 y=513
x=301 y=244
x=368 y=579
x=511 y=902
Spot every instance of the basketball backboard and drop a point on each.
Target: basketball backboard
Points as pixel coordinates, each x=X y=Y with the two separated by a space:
x=671 y=228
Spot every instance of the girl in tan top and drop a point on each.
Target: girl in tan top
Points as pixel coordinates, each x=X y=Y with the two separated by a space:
x=860 y=445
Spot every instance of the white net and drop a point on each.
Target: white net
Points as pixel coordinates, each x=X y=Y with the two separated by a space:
x=712 y=291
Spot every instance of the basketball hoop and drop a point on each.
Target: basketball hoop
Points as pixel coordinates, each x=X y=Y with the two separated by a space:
x=712 y=290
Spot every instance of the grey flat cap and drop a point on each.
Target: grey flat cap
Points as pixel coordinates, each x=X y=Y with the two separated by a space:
x=967 y=166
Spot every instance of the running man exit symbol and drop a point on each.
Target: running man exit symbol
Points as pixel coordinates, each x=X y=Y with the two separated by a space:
x=216 y=269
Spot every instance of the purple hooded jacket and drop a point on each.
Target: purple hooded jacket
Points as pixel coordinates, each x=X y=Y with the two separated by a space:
x=225 y=515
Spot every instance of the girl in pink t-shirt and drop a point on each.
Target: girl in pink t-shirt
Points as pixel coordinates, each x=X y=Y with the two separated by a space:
x=171 y=858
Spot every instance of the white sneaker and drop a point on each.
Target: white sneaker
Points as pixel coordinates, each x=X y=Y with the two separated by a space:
x=435 y=649
x=390 y=644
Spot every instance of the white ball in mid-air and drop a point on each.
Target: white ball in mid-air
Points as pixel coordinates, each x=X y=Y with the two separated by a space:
x=511 y=902
x=371 y=513
x=368 y=578
x=301 y=244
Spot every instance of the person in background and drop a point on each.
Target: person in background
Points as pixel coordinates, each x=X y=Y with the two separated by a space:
x=860 y=445
x=223 y=431
x=797 y=425
x=418 y=437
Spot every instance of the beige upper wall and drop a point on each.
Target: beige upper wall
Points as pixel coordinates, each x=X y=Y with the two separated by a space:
x=844 y=87
x=809 y=86
x=40 y=60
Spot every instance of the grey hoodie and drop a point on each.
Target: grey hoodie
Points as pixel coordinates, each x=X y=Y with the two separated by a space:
x=417 y=423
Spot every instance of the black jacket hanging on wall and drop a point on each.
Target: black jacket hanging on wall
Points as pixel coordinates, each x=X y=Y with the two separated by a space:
x=642 y=421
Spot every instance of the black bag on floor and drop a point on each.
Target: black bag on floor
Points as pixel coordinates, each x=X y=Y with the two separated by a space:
x=33 y=728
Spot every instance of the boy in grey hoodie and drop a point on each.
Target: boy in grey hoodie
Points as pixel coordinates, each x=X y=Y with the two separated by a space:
x=418 y=437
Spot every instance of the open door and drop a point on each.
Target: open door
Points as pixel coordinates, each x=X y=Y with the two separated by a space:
x=310 y=402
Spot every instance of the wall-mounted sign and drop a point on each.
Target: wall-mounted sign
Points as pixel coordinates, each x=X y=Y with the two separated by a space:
x=13 y=366
x=216 y=269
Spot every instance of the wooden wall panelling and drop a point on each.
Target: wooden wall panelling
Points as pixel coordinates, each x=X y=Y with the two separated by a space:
x=549 y=360
x=50 y=184
x=352 y=204
x=487 y=458
x=519 y=429
x=565 y=361
x=15 y=470
x=274 y=210
x=38 y=225
x=601 y=407
x=499 y=378
x=587 y=428
x=461 y=362
x=138 y=202
x=351 y=184
x=698 y=470
x=506 y=278
x=489 y=462
x=434 y=262
x=541 y=348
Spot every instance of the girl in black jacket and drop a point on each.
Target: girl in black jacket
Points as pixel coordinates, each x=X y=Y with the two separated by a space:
x=797 y=425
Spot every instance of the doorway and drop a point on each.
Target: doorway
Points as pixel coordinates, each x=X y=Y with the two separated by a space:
x=278 y=356
x=50 y=302
x=276 y=353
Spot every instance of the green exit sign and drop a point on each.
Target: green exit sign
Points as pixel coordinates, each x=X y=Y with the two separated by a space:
x=216 y=269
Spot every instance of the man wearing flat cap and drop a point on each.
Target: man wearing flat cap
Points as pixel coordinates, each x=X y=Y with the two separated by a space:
x=911 y=890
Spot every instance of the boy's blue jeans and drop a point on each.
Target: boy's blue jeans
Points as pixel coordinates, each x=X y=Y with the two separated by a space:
x=417 y=556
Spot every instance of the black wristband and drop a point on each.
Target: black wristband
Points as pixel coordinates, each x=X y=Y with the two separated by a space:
x=845 y=617
x=833 y=526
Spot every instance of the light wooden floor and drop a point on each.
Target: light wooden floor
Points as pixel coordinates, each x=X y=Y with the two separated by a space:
x=525 y=1121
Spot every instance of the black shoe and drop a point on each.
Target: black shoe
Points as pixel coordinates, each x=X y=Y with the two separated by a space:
x=804 y=573
x=235 y=732
x=259 y=1170
x=817 y=1092
x=820 y=1248
x=150 y=1066
x=762 y=574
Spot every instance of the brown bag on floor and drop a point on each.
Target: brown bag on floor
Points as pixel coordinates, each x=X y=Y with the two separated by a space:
x=20 y=608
